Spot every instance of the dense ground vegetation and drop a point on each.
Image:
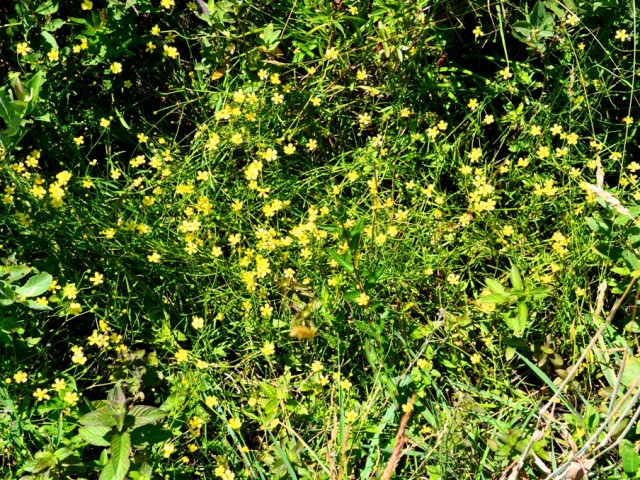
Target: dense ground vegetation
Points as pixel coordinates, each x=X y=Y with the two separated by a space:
x=319 y=239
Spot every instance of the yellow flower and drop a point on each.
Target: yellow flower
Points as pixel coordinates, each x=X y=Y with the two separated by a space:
x=473 y=104
x=42 y=394
x=235 y=423
x=86 y=5
x=78 y=355
x=478 y=31
x=351 y=416
x=168 y=449
x=71 y=398
x=211 y=401
x=116 y=67
x=197 y=322
x=268 y=349
x=171 y=52
x=154 y=257
x=23 y=48
x=20 y=377
x=75 y=308
x=79 y=140
x=361 y=75
x=59 y=385
x=505 y=73
x=363 y=299
x=331 y=54
x=104 y=122
x=182 y=355
x=475 y=358
x=167 y=4
x=97 y=278
x=53 y=55
x=622 y=35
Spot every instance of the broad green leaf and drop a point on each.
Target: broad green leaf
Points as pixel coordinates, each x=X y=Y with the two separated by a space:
x=50 y=40
x=631 y=371
x=630 y=458
x=33 y=305
x=340 y=259
x=119 y=462
x=175 y=401
x=495 y=286
x=496 y=298
x=144 y=415
x=95 y=435
x=102 y=417
x=523 y=314
x=47 y=8
x=539 y=293
x=598 y=226
x=516 y=278
x=36 y=285
x=631 y=260
x=514 y=322
x=14 y=273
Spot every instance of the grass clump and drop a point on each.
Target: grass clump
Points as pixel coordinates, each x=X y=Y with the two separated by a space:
x=319 y=240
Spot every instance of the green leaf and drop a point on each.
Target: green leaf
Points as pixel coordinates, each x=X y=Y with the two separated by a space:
x=496 y=298
x=144 y=415
x=631 y=371
x=14 y=273
x=102 y=417
x=514 y=322
x=539 y=293
x=340 y=259
x=631 y=260
x=119 y=462
x=34 y=85
x=495 y=286
x=630 y=458
x=50 y=40
x=373 y=278
x=354 y=234
x=95 y=435
x=598 y=226
x=516 y=278
x=47 y=8
x=36 y=285
x=523 y=314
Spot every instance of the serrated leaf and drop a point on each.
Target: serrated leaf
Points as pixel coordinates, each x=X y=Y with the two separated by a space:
x=144 y=415
x=36 y=285
x=119 y=462
x=495 y=286
x=102 y=417
x=95 y=435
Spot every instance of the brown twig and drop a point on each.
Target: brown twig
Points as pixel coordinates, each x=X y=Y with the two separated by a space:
x=400 y=441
